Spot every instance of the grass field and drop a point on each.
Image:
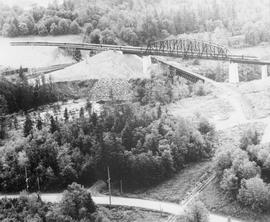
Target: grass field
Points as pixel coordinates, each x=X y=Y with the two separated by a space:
x=174 y=189
x=258 y=89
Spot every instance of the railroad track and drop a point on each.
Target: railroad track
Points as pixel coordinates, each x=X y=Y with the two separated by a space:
x=203 y=182
x=199 y=187
x=172 y=218
x=177 y=52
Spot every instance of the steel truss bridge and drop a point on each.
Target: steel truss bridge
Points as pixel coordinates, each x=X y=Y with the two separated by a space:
x=180 y=48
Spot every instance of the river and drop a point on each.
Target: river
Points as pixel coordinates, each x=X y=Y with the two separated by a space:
x=33 y=56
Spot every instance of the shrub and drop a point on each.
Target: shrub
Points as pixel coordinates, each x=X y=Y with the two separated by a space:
x=229 y=182
x=199 y=89
x=196 y=62
x=42 y=30
x=54 y=29
x=222 y=161
x=74 y=28
x=250 y=137
x=197 y=213
x=254 y=193
x=63 y=26
x=95 y=36
x=77 y=202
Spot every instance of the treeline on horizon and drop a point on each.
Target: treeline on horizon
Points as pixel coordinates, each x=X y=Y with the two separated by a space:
x=137 y=22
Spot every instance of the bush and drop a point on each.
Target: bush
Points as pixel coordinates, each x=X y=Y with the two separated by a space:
x=32 y=208
x=108 y=37
x=88 y=29
x=229 y=182
x=74 y=28
x=42 y=30
x=77 y=202
x=196 y=62
x=95 y=36
x=197 y=212
x=199 y=89
x=63 y=26
x=23 y=29
x=254 y=193
x=250 y=137
x=54 y=29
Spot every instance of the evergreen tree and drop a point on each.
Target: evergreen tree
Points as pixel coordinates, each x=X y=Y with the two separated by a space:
x=66 y=116
x=3 y=126
x=15 y=121
x=82 y=112
x=3 y=111
x=127 y=137
x=21 y=74
x=39 y=124
x=28 y=125
x=77 y=55
x=94 y=119
x=159 y=112
x=88 y=107
x=54 y=125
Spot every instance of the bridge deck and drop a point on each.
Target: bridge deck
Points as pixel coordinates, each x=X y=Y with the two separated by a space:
x=146 y=51
x=183 y=72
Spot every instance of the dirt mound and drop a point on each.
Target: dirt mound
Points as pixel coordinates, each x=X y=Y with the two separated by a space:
x=111 y=89
x=105 y=65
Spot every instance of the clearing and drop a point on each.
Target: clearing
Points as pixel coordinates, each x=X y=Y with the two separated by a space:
x=174 y=189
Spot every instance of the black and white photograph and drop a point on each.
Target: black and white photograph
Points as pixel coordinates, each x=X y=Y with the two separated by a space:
x=134 y=111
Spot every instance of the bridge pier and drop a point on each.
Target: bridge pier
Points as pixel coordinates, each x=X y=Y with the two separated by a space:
x=233 y=73
x=264 y=72
x=147 y=65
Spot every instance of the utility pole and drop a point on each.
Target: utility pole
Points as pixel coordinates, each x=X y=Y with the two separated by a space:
x=121 y=187
x=38 y=184
x=109 y=185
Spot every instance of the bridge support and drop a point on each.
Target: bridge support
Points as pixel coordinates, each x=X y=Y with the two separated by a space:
x=147 y=65
x=264 y=72
x=233 y=73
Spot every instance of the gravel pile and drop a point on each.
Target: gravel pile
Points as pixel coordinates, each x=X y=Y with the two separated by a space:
x=111 y=89
x=105 y=65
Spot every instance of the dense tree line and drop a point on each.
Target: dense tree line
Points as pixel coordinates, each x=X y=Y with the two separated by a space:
x=142 y=146
x=136 y=23
x=244 y=172
x=24 y=96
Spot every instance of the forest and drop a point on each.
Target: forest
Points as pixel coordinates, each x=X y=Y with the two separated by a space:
x=243 y=173
x=137 y=22
x=127 y=138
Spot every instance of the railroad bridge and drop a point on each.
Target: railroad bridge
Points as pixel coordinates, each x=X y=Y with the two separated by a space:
x=179 y=48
